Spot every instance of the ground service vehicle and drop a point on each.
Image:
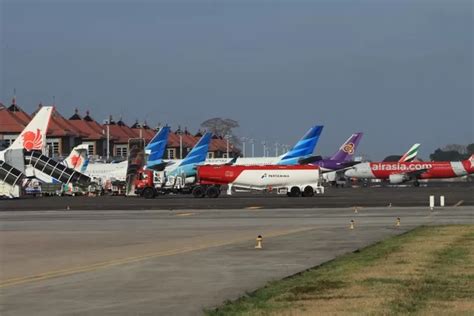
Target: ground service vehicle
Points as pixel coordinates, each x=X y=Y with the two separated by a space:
x=150 y=183
x=295 y=180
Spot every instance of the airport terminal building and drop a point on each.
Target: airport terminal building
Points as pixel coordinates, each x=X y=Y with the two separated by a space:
x=66 y=132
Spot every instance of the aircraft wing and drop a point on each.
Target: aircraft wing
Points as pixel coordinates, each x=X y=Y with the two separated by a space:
x=231 y=162
x=414 y=173
x=161 y=166
x=310 y=159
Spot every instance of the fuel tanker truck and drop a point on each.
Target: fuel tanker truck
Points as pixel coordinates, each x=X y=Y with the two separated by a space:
x=296 y=180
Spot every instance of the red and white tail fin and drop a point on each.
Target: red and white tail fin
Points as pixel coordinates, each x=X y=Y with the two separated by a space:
x=33 y=137
x=77 y=158
x=469 y=164
x=410 y=155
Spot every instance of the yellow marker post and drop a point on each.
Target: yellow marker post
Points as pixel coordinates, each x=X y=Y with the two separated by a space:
x=352 y=224
x=259 y=242
x=356 y=210
x=398 y=222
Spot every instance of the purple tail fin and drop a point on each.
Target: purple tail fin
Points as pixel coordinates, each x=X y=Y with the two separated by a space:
x=347 y=150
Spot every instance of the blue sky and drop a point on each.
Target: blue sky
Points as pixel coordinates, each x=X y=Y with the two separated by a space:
x=400 y=71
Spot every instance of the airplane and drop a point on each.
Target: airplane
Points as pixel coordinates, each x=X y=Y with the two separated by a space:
x=77 y=159
x=118 y=171
x=12 y=159
x=25 y=153
x=187 y=167
x=341 y=159
x=303 y=149
x=33 y=136
x=400 y=172
x=411 y=154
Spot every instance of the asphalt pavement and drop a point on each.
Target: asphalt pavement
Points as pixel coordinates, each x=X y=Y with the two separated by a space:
x=177 y=262
x=334 y=197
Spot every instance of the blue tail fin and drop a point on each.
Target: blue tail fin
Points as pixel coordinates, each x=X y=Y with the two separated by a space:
x=304 y=147
x=157 y=147
x=199 y=152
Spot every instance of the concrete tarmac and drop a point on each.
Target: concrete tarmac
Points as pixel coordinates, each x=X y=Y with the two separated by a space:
x=334 y=197
x=176 y=262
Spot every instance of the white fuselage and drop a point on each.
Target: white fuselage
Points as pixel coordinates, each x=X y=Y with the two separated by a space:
x=107 y=171
x=250 y=161
x=263 y=179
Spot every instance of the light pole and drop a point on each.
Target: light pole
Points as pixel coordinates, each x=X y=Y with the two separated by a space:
x=180 y=135
x=227 y=136
x=264 y=148
x=276 y=149
x=253 y=146
x=180 y=146
x=243 y=139
x=107 y=146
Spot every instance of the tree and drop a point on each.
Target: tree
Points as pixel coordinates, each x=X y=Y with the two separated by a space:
x=455 y=147
x=451 y=155
x=222 y=127
x=470 y=149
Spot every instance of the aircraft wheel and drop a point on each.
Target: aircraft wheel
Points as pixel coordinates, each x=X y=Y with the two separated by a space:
x=212 y=192
x=416 y=183
x=148 y=193
x=295 y=192
x=198 y=192
x=308 y=191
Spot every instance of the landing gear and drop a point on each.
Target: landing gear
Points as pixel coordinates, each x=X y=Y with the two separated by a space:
x=416 y=183
x=308 y=191
x=294 y=192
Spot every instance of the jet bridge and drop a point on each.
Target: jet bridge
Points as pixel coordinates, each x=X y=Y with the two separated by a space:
x=55 y=169
x=10 y=175
x=10 y=181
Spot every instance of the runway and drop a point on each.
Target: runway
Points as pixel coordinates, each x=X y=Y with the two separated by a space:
x=334 y=197
x=178 y=262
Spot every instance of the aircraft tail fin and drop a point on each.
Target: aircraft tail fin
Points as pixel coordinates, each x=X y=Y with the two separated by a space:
x=78 y=159
x=410 y=155
x=33 y=137
x=199 y=152
x=157 y=147
x=305 y=146
x=347 y=150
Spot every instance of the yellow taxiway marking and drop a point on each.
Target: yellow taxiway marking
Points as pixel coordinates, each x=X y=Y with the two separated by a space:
x=253 y=207
x=458 y=203
x=121 y=261
x=185 y=214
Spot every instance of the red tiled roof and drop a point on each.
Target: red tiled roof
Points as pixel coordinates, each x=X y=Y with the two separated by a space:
x=60 y=127
x=13 y=121
x=189 y=140
x=88 y=132
x=121 y=132
x=173 y=140
x=147 y=133
x=89 y=128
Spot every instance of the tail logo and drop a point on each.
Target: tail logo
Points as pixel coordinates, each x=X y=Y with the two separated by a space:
x=263 y=176
x=32 y=140
x=348 y=148
x=76 y=161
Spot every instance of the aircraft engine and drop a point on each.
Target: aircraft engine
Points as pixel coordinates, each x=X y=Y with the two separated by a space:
x=397 y=178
